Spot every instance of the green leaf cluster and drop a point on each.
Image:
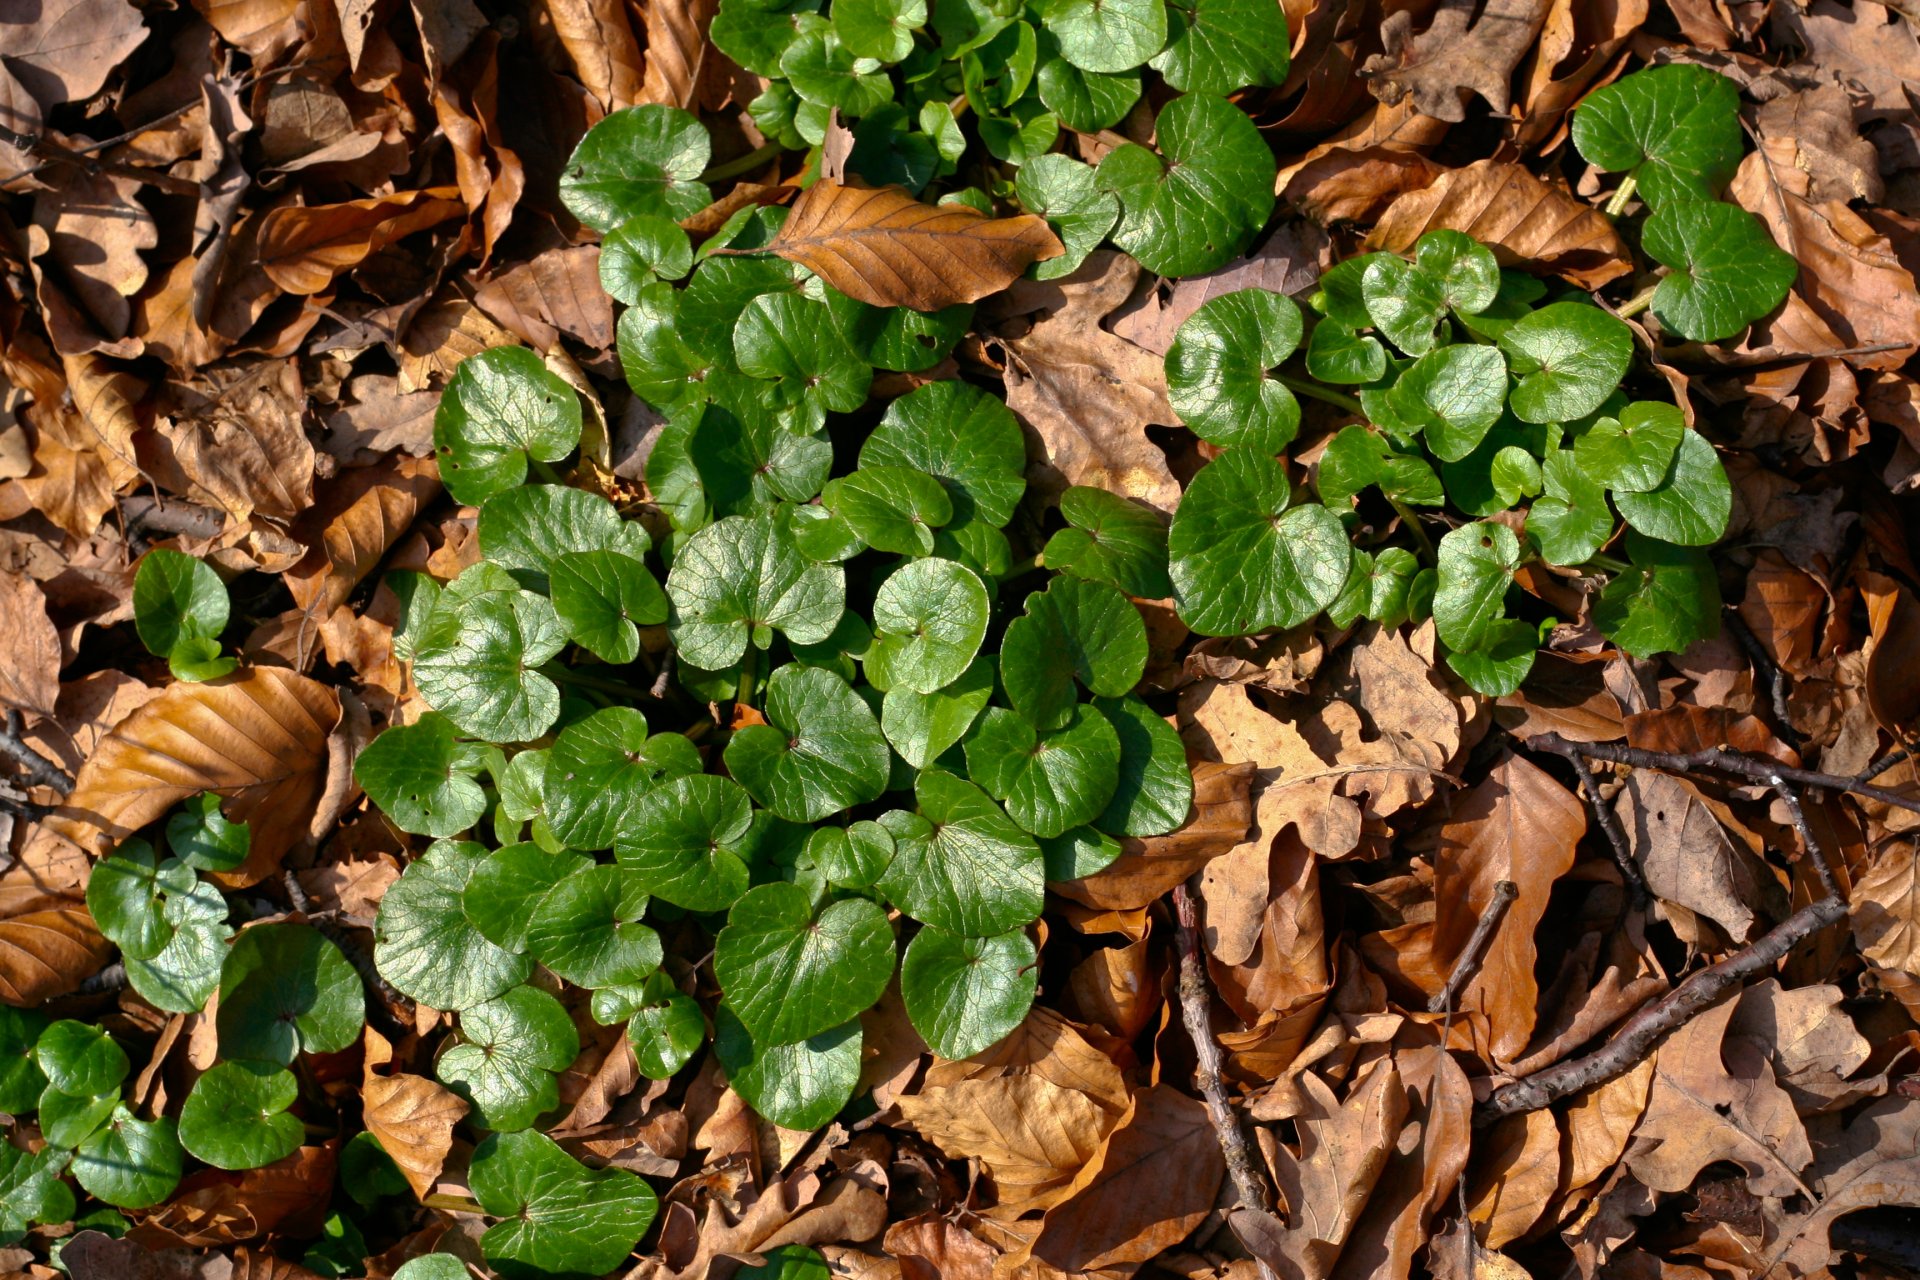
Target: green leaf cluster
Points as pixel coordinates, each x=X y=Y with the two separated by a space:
x=180 y=607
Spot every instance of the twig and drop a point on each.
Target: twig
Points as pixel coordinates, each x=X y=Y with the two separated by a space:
x=1604 y=817
x=1815 y=854
x=1467 y=964
x=1755 y=768
x=1249 y=1183
x=1770 y=673
x=40 y=771
x=1884 y=763
x=172 y=517
x=108 y=980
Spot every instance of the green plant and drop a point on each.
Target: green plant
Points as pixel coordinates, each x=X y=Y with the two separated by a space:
x=180 y=608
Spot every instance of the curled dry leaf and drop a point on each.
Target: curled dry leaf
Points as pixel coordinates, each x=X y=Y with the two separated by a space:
x=1517 y=1177
x=413 y=1117
x=361 y=514
x=302 y=248
x=1032 y=1135
x=1344 y=1144
x=681 y=65
x=599 y=40
x=30 y=675
x=1458 y=55
x=885 y=248
x=48 y=943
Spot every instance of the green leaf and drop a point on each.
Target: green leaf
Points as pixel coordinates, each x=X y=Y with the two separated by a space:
x=1502 y=661
x=1024 y=134
x=414 y=773
x=126 y=895
x=433 y=1266
x=899 y=338
x=1727 y=271
x=964 y=438
x=1338 y=354
x=797 y=1086
x=1571 y=520
x=177 y=598
x=1674 y=129
x=1455 y=394
x=1106 y=35
x=80 y=1059
x=1634 y=452
x=929 y=618
x=67 y=1121
x=666 y=1030
x=960 y=862
x=855 y=856
x=788 y=1262
x=21 y=1080
x=1064 y=192
x=660 y=363
x=1081 y=852
x=1341 y=296
x=586 y=930
x=203 y=837
x=475 y=658
x=132 y=1163
x=558 y=1216
x=756 y=34
x=643 y=160
x=1075 y=629
x=507 y=1063
x=825 y=71
x=1357 y=457
x=1087 y=101
x=710 y=307
x=603 y=598
x=1514 y=474
x=792 y=343
x=417 y=594
x=640 y=251
x=741 y=579
x=1156 y=786
x=185 y=972
x=1240 y=561
x=286 y=990
x=1219 y=370
x=891 y=508
x=686 y=841
x=789 y=973
x=964 y=995
x=1514 y=303
x=1195 y=206
x=1048 y=782
x=921 y=726
x=600 y=766
x=501 y=407
x=1450 y=271
x=31 y=1191
x=1569 y=357
x=1221 y=46
x=1691 y=506
x=748 y=455
x=1111 y=540
x=1476 y=564
x=506 y=889
x=820 y=751
x=524 y=530
x=425 y=945
x=236 y=1116
x=1668 y=600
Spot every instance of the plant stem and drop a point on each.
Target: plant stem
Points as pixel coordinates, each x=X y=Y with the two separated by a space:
x=1607 y=563
x=452 y=1204
x=1412 y=521
x=1301 y=386
x=743 y=164
x=561 y=675
x=1638 y=302
x=545 y=472
x=749 y=666
x=1620 y=197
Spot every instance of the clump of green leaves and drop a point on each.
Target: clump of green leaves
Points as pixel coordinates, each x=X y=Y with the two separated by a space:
x=180 y=607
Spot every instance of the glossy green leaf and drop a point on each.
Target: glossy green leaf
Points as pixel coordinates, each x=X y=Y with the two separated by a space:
x=686 y=839
x=236 y=1116
x=203 y=837
x=558 y=1217
x=1111 y=540
x=425 y=945
x=1405 y=300
x=80 y=1058
x=892 y=509
x=1675 y=129
x=525 y=529
x=286 y=989
x=1570 y=520
x=963 y=994
x=603 y=598
x=661 y=365
x=1505 y=656
x=1634 y=452
x=1087 y=101
x=824 y=70
x=600 y=765
x=640 y=251
x=820 y=751
x=1050 y=781
x=509 y=1056
x=929 y=618
x=666 y=1028
x=1666 y=602
x=1075 y=630
x=1455 y=394
x=1691 y=505
x=126 y=895
x=741 y=579
x=1198 y=203
x=1376 y=588
x=1221 y=46
x=132 y=1163
x=899 y=338
x=1569 y=357
x=1476 y=564
x=506 y=889
x=587 y=930
x=921 y=726
x=475 y=658
x=1219 y=370
x=419 y=776
x=1339 y=354
x=31 y=1191
x=1356 y=458
x=855 y=856
x=963 y=437
x=788 y=1262
x=790 y=973
x=1155 y=793
x=1106 y=35
x=21 y=1079
x=797 y=1086
x=1080 y=852
x=959 y=862
x=501 y=407
x=1726 y=270
x=1065 y=192
x=756 y=34
x=177 y=598
x=792 y=344
x=643 y=160
x=67 y=1121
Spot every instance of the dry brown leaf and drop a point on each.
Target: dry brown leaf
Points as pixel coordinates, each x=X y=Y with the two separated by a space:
x=1687 y=856
x=258 y=738
x=599 y=40
x=1147 y=868
x=446 y=331
x=48 y=943
x=1812 y=1042
x=30 y=672
x=681 y=64
x=413 y=1118
x=377 y=417
x=64 y=50
x=1863 y=44
x=96 y=228
x=1874 y=1161
x=1116 y=988
x=303 y=248
x=1580 y=42
x=1290 y=261
x=1600 y=1121
x=1032 y=1135
x=558 y=292
x=1046 y=1045
x=1886 y=912
x=1459 y=54
x=1894 y=617
x=885 y=248
x=1354 y=174
x=1518 y=1175
x=1813 y=131
x=1782 y=608
x=1344 y=1145
x=236 y=441
x=1528 y=223
x=931 y=1248
x=361 y=514
x=263 y=28
x=1519 y=825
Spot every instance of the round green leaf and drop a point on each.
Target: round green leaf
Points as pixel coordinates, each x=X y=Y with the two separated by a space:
x=1727 y=271
x=1107 y=35
x=603 y=598
x=126 y=895
x=285 y=990
x=1669 y=599
x=525 y=529
x=1675 y=129
x=1048 y=782
x=1634 y=452
x=505 y=890
x=425 y=945
x=792 y=343
x=1691 y=506
x=742 y=578
x=685 y=842
x=643 y=160
x=660 y=362
x=820 y=751
x=1476 y=563
x=600 y=765
x=1455 y=394
x=31 y=1190
x=1074 y=629
x=960 y=862
x=1219 y=370
x=1112 y=540
x=67 y=1121
x=1571 y=520
x=822 y=70
x=964 y=438
x=80 y=1059
x=1222 y=46
x=890 y=508
x=475 y=658
x=1503 y=660
x=747 y=455
x=586 y=930
x=1156 y=786
x=1240 y=561
x=236 y=1116
x=929 y=618
x=433 y=1266
x=880 y=29
x=177 y=598
x=640 y=251
x=413 y=772
x=1196 y=205
x=1065 y=192
x=558 y=1217
x=511 y=1051
x=1357 y=457
x=666 y=1031
x=1569 y=357
x=964 y=995
x=21 y=1079
x=789 y=973
x=754 y=34
x=132 y=1163
x=1087 y=101
x=202 y=837
x=899 y=338
x=1336 y=353
x=923 y=725
x=502 y=406
x=797 y=1086
x=1450 y=271
x=855 y=855
x=1376 y=588
x=187 y=970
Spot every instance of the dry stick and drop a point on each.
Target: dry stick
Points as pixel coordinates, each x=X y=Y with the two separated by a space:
x=1769 y=672
x=1815 y=854
x=1607 y=822
x=172 y=517
x=40 y=771
x=1468 y=962
x=1249 y=1183
x=1884 y=763
x=1757 y=769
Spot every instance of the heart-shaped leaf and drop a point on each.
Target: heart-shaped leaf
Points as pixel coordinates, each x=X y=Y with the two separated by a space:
x=1156 y=786
x=921 y=726
x=425 y=945
x=1569 y=357
x=31 y=1191
x=827 y=73
x=1674 y=129
x=1339 y=354
x=855 y=856
x=421 y=778
x=1405 y=300
x=1502 y=661
x=131 y=1163
x=929 y=618
x=80 y=1059
x=236 y=1116
x=1086 y=101
x=899 y=338
x=1571 y=520
x=739 y=580
x=1065 y=192
x=600 y=766
x=1048 y=782
x=1357 y=457
x=475 y=658
x=643 y=160
x=525 y=529
x=286 y=990
x=1476 y=564
x=665 y=1029
x=507 y=1063
x=820 y=751
x=685 y=842
x=880 y=29
x=1634 y=452
x=960 y=862
x=501 y=407
x=586 y=929
x=1075 y=629
x=892 y=509
x=21 y=1080
x=1222 y=46
x=185 y=972
x=1727 y=271
x=1219 y=367
x=557 y=1216
x=603 y=598
x=67 y=1121
x=203 y=837
x=797 y=1086
x=964 y=995
x=1111 y=540
x=176 y=599
x=789 y=973
x=1691 y=506
x=1241 y=562
x=506 y=889
x=127 y=895
x=641 y=250
x=1455 y=394
x=1668 y=600
x=1106 y=35
x=965 y=438
x=1195 y=206
x=806 y=367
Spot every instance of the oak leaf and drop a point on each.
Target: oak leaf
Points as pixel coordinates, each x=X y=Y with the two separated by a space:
x=64 y=50
x=303 y=247
x=883 y=247
x=1518 y=1175
x=1458 y=55
x=1874 y=1161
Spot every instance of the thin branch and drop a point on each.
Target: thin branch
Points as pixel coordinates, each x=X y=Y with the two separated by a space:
x=1884 y=763
x=1808 y=841
x=108 y=980
x=1249 y=1183
x=40 y=771
x=1467 y=964
x=1755 y=768
x=172 y=516
x=1604 y=818
x=1770 y=673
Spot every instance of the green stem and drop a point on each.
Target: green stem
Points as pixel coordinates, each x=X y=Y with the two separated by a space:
x=743 y=164
x=1021 y=567
x=545 y=472
x=561 y=675
x=1301 y=386
x=749 y=665
x=1620 y=197
x=1638 y=302
x=1607 y=563
x=1412 y=521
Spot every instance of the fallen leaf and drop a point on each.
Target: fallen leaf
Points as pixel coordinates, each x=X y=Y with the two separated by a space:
x=1146 y=868
x=1046 y=1045
x=1600 y=1122
x=1289 y=261
x=1886 y=913
x=1358 y=171
x=1579 y=48
x=30 y=676
x=1032 y=1135
x=48 y=943
x=1117 y=988
x=557 y=292
x=1874 y=1161
x=64 y=50
x=599 y=41
x=96 y=228
x=361 y=514
x=377 y=417
x=886 y=249
x=1516 y=1179
x=1813 y=132
x=264 y=28
x=681 y=64
x=1872 y=46
x=931 y=1248
x=1811 y=1040
x=1686 y=855
x=1344 y=1146
x=237 y=441
x=1458 y=55
x=1527 y=221
x=413 y=1118
x=302 y=248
